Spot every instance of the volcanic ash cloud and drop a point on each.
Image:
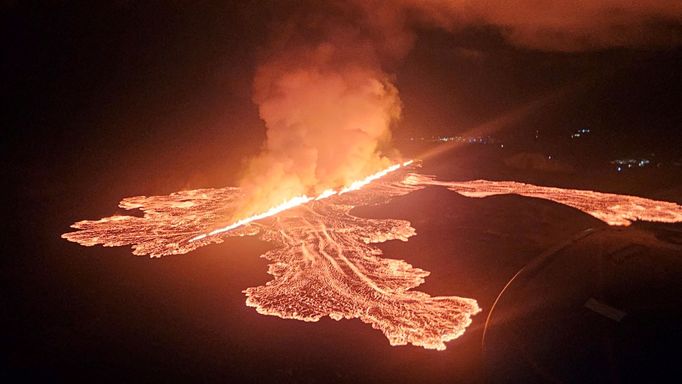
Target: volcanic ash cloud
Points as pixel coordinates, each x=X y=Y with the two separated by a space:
x=328 y=109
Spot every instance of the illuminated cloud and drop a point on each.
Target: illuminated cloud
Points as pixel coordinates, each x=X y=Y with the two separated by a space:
x=328 y=99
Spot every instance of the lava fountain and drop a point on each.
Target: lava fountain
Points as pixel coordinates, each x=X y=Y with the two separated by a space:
x=325 y=263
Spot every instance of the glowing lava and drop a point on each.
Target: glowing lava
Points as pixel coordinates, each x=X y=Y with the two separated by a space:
x=610 y=208
x=324 y=263
x=299 y=200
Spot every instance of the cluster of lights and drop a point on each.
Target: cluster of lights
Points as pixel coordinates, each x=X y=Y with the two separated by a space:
x=630 y=163
x=580 y=132
x=459 y=139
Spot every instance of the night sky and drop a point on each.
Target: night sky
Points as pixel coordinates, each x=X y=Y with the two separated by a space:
x=166 y=87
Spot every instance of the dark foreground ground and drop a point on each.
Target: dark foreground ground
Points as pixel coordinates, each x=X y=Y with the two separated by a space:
x=74 y=313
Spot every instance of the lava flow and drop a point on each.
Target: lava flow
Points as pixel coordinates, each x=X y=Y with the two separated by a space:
x=299 y=200
x=324 y=263
x=610 y=208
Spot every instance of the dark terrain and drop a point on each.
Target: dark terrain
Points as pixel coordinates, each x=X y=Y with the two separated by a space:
x=77 y=313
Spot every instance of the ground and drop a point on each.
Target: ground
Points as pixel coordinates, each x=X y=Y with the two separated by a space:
x=102 y=313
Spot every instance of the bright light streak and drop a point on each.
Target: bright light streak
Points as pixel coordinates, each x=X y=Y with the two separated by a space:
x=300 y=200
x=327 y=193
x=296 y=201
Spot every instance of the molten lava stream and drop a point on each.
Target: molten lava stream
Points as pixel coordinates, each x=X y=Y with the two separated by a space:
x=300 y=200
x=325 y=263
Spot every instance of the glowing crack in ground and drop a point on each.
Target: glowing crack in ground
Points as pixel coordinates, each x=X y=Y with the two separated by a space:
x=324 y=263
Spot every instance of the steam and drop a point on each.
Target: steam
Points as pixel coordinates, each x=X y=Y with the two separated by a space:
x=328 y=107
x=328 y=101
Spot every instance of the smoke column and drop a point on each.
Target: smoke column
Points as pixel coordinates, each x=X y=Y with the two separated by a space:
x=328 y=101
x=327 y=104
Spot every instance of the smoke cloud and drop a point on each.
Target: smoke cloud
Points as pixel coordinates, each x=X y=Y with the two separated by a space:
x=327 y=104
x=562 y=25
x=328 y=100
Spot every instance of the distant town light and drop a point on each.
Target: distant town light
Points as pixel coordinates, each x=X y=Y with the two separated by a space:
x=459 y=139
x=580 y=133
x=630 y=163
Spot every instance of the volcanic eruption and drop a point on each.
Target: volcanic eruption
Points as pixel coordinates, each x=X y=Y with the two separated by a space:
x=324 y=263
x=326 y=93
